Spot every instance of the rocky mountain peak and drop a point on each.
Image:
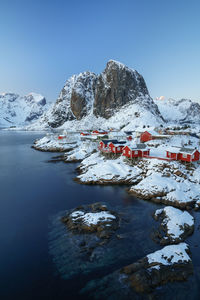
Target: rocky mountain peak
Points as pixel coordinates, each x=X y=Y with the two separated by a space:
x=100 y=95
x=116 y=86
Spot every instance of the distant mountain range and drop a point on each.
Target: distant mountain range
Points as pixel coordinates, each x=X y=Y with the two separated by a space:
x=180 y=111
x=116 y=98
x=18 y=110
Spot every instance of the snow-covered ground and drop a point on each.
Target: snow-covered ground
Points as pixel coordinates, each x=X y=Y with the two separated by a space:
x=168 y=182
x=52 y=143
x=97 y=169
x=83 y=150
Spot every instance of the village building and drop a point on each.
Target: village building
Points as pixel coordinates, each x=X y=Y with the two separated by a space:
x=139 y=150
x=151 y=135
x=61 y=137
x=147 y=136
x=117 y=135
x=103 y=144
x=84 y=133
x=97 y=132
x=183 y=154
x=116 y=147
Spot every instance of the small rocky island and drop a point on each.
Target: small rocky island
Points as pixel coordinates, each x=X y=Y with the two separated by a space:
x=94 y=218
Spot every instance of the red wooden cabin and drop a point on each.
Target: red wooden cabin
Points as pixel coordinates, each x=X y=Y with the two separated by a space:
x=188 y=154
x=184 y=154
x=129 y=138
x=60 y=137
x=116 y=147
x=103 y=144
x=85 y=133
x=139 y=150
x=173 y=153
x=94 y=132
x=146 y=136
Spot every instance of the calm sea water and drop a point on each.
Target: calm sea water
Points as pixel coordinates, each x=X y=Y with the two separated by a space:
x=32 y=194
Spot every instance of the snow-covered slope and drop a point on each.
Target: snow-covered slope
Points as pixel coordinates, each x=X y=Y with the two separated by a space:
x=20 y=110
x=116 y=98
x=180 y=111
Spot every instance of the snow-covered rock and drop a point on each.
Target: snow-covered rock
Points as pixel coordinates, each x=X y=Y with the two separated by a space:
x=96 y=169
x=18 y=110
x=84 y=149
x=167 y=182
x=177 y=224
x=51 y=143
x=171 y=263
x=95 y=218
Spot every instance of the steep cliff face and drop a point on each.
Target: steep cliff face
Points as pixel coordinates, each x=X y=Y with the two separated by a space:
x=101 y=95
x=115 y=87
x=75 y=100
x=18 y=110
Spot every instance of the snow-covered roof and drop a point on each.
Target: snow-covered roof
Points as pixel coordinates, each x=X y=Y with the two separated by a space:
x=187 y=150
x=141 y=146
x=173 y=149
x=117 y=143
x=137 y=146
x=109 y=141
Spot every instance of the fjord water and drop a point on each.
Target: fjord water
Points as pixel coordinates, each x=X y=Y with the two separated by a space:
x=33 y=193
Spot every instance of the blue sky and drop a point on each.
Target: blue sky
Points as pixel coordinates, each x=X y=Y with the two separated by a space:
x=43 y=43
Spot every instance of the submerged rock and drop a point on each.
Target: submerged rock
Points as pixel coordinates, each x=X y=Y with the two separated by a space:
x=176 y=225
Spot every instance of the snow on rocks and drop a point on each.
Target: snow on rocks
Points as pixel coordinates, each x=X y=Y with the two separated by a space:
x=170 y=183
x=96 y=169
x=94 y=218
x=91 y=218
x=84 y=149
x=176 y=224
x=51 y=143
x=171 y=263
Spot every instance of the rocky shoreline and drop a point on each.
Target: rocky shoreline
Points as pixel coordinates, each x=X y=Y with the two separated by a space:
x=95 y=226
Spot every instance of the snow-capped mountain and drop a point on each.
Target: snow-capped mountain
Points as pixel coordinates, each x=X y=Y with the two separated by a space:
x=20 y=110
x=118 y=97
x=180 y=111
